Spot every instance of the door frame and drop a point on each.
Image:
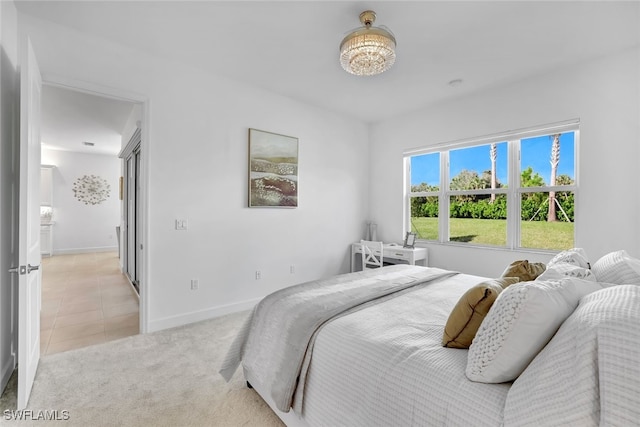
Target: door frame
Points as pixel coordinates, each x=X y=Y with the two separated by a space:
x=124 y=95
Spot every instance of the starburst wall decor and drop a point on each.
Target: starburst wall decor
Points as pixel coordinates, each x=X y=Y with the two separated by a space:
x=91 y=189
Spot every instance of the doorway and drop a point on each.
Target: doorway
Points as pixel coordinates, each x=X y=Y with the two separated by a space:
x=87 y=289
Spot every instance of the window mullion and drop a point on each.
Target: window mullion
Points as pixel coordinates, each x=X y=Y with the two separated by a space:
x=513 y=199
x=408 y=195
x=443 y=205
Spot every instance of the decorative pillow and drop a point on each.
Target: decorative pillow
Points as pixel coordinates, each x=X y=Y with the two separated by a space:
x=472 y=307
x=564 y=269
x=618 y=268
x=520 y=323
x=524 y=270
x=575 y=256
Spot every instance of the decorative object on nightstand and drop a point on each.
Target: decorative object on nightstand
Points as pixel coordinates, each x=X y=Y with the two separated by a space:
x=409 y=240
x=372 y=231
x=46 y=214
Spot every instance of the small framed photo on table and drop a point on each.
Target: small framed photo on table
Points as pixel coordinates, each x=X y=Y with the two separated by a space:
x=409 y=240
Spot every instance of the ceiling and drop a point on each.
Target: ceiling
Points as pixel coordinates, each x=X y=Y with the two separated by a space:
x=70 y=118
x=291 y=47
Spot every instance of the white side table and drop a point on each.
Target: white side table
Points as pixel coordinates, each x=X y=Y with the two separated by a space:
x=394 y=254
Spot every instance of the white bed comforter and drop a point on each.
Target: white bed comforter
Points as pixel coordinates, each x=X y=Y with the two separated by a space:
x=385 y=365
x=278 y=335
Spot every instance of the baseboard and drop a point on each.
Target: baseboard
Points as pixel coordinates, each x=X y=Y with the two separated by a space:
x=197 y=316
x=6 y=372
x=84 y=250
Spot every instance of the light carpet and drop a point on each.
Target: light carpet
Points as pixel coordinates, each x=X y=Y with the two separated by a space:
x=165 y=378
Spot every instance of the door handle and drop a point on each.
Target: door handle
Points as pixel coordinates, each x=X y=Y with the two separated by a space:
x=18 y=270
x=24 y=269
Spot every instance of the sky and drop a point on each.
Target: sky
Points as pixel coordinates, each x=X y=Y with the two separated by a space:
x=535 y=152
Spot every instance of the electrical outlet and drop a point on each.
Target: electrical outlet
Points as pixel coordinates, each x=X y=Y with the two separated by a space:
x=258 y=275
x=195 y=284
x=292 y=269
x=182 y=224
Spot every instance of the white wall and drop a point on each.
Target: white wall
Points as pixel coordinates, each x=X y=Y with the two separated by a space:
x=79 y=227
x=196 y=160
x=9 y=126
x=603 y=94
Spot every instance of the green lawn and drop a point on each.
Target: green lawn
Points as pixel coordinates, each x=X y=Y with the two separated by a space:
x=534 y=234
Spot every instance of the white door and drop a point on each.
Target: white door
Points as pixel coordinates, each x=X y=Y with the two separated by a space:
x=29 y=281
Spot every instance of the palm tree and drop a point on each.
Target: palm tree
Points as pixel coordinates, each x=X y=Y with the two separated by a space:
x=555 y=159
x=493 y=153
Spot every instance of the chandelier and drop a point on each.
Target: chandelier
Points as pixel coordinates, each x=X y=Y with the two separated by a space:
x=368 y=50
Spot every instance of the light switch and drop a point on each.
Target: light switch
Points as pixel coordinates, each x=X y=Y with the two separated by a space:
x=182 y=224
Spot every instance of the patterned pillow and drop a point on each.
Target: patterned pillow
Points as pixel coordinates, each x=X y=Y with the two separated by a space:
x=564 y=269
x=524 y=270
x=520 y=323
x=471 y=309
x=575 y=256
x=618 y=268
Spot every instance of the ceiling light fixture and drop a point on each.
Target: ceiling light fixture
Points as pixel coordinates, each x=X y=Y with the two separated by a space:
x=368 y=50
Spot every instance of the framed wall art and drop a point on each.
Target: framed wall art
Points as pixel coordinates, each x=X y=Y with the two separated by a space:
x=91 y=189
x=273 y=170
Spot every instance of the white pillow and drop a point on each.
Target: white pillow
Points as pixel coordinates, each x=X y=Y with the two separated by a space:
x=564 y=269
x=618 y=268
x=575 y=256
x=520 y=323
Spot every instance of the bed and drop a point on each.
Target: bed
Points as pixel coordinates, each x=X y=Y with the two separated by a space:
x=366 y=349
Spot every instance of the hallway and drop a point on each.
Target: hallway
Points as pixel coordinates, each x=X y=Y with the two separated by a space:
x=86 y=300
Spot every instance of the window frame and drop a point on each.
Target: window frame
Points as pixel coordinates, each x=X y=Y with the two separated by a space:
x=513 y=191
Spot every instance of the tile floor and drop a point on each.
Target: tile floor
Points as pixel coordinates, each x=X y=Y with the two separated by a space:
x=86 y=300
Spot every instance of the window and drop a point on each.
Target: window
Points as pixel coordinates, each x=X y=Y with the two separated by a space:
x=424 y=195
x=515 y=190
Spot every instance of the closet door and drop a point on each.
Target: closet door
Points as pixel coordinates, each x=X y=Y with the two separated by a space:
x=132 y=245
x=132 y=213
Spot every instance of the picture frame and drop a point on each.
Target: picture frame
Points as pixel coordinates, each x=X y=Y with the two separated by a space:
x=273 y=170
x=409 y=240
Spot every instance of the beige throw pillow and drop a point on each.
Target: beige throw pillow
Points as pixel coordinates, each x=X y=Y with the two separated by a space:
x=472 y=307
x=524 y=270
